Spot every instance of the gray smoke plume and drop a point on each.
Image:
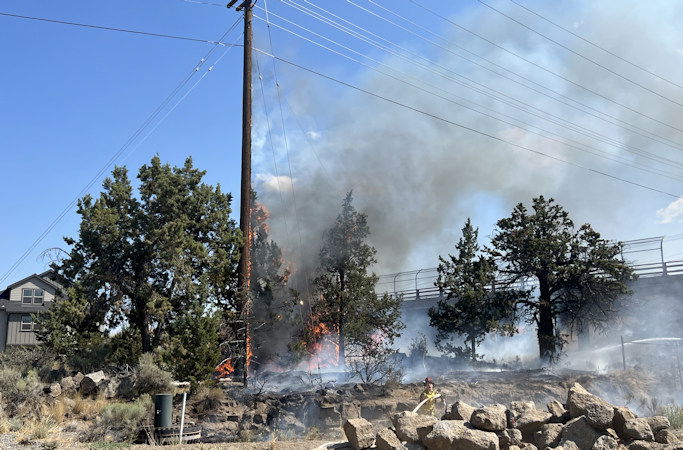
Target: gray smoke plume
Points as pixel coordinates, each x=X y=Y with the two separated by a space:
x=418 y=178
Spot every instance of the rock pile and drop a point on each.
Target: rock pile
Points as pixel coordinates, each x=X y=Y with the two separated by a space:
x=585 y=422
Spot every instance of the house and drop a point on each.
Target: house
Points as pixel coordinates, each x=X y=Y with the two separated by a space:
x=18 y=302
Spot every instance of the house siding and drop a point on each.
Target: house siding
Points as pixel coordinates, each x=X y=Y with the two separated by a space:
x=3 y=330
x=14 y=334
x=35 y=282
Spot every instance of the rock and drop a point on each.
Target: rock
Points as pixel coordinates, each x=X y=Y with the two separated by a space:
x=638 y=429
x=111 y=389
x=456 y=434
x=599 y=415
x=377 y=410
x=666 y=436
x=580 y=433
x=69 y=403
x=518 y=407
x=67 y=384
x=489 y=419
x=606 y=443
x=579 y=399
x=411 y=427
x=658 y=423
x=78 y=378
x=528 y=446
x=54 y=390
x=530 y=422
x=509 y=437
x=557 y=411
x=549 y=435
x=460 y=411
x=386 y=440
x=359 y=433
x=621 y=415
x=350 y=410
x=646 y=445
x=93 y=382
x=569 y=445
x=126 y=386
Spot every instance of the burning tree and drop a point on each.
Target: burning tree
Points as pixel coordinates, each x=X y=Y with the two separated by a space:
x=579 y=274
x=346 y=302
x=471 y=307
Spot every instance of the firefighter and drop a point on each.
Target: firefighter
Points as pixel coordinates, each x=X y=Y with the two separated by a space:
x=429 y=396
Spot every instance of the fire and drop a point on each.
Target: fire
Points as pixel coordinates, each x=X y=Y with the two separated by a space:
x=224 y=369
x=322 y=345
x=250 y=352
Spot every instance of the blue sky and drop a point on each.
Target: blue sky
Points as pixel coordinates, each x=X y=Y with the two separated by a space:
x=71 y=98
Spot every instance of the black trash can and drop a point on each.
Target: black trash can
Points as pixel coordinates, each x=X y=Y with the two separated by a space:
x=163 y=410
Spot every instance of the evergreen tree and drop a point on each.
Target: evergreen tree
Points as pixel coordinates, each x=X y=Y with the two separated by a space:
x=579 y=275
x=471 y=308
x=145 y=262
x=346 y=300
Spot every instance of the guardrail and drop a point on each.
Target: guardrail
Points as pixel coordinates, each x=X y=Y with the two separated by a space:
x=425 y=290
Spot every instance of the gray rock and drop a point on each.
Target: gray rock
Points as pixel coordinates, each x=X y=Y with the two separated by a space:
x=54 y=390
x=359 y=433
x=621 y=415
x=489 y=419
x=460 y=411
x=410 y=427
x=638 y=429
x=93 y=383
x=530 y=422
x=647 y=445
x=509 y=437
x=579 y=399
x=600 y=415
x=549 y=435
x=557 y=411
x=519 y=407
x=68 y=385
x=386 y=439
x=658 y=423
x=666 y=436
x=580 y=433
x=569 y=445
x=456 y=434
x=606 y=443
x=78 y=378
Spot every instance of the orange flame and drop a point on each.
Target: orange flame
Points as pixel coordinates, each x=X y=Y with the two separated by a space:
x=322 y=345
x=224 y=369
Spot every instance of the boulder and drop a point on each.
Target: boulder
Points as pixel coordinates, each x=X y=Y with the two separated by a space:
x=489 y=419
x=569 y=445
x=93 y=382
x=456 y=434
x=638 y=429
x=527 y=446
x=411 y=427
x=519 y=407
x=509 y=437
x=386 y=439
x=658 y=423
x=579 y=399
x=557 y=411
x=580 y=433
x=647 y=445
x=530 y=422
x=460 y=411
x=78 y=378
x=549 y=435
x=606 y=443
x=68 y=385
x=621 y=415
x=599 y=415
x=666 y=436
x=359 y=433
x=54 y=390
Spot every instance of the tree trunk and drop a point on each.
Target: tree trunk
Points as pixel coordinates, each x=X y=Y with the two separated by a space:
x=546 y=328
x=341 y=361
x=342 y=348
x=473 y=343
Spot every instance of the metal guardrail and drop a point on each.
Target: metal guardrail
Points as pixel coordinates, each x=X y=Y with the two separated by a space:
x=424 y=288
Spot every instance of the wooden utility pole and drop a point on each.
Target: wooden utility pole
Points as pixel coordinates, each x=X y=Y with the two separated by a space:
x=244 y=275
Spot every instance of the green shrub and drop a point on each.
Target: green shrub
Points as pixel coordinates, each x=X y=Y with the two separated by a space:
x=151 y=379
x=208 y=399
x=122 y=421
x=9 y=379
x=674 y=413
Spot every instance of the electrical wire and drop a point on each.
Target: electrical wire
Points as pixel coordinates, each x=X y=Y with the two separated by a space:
x=123 y=30
x=635 y=83
x=596 y=45
x=465 y=127
x=129 y=142
x=599 y=154
x=417 y=56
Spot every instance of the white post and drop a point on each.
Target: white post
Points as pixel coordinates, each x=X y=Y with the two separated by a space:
x=182 y=417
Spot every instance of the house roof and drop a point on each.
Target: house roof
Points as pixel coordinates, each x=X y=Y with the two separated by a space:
x=42 y=276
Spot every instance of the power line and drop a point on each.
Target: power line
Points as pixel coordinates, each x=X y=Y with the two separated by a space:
x=635 y=83
x=574 y=127
x=419 y=36
x=129 y=142
x=657 y=172
x=465 y=127
x=123 y=30
x=596 y=45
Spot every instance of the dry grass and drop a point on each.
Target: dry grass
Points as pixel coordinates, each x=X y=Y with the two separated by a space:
x=208 y=400
x=38 y=429
x=88 y=407
x=57 y=411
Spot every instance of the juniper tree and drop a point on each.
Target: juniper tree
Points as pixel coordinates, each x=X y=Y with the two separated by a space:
x=471 y=307
x=346 y=301
x=146 y=261
x=579 y=274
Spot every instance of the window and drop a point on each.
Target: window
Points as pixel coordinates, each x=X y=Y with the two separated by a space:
x=31 y=296
x=27 y=324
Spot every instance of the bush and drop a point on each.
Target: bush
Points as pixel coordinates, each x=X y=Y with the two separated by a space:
x=151 y=379
x=9 y=379
x=208 y=399
x=674 y=413
x=88 y=408
x=121 y=420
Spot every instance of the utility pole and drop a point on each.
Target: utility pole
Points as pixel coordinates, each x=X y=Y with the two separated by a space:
x=244 y=274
